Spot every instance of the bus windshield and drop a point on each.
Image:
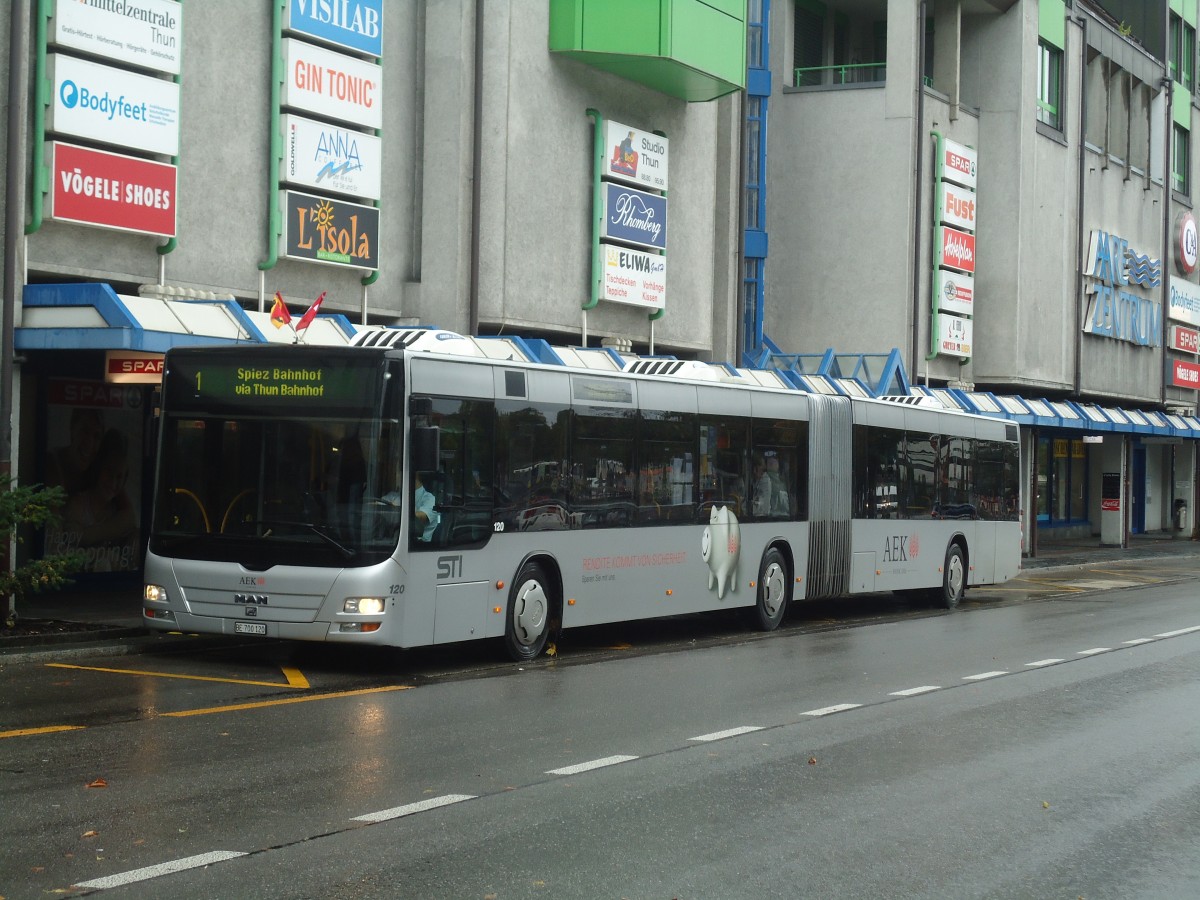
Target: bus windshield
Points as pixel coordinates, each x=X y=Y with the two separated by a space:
x=262 y=483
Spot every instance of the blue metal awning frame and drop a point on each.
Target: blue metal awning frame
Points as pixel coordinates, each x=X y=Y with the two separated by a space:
x=122 y=330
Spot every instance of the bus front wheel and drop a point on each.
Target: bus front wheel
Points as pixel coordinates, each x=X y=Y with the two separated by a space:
x=954 y=579
x=774 y=585
x=527 y=627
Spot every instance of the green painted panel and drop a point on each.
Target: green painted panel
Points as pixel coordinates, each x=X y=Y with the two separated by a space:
x=1181 y=107
x=1177 y=7
x=1052 y=22
x=566 y=24
x=734 y=8
x=1189 y=12
x=708 y=40
x=692 y=49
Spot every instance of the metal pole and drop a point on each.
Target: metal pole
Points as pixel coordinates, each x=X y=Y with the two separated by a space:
x=14 y=236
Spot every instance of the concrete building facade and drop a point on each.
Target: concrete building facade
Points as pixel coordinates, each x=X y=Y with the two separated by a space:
x=1000 y=190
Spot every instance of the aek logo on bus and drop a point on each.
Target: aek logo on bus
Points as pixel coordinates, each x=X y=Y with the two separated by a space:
x=900 y=548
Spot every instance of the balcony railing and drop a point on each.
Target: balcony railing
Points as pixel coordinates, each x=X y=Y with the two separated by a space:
x=852 y=73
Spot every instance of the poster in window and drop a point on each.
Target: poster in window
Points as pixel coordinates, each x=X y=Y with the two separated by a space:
x=94 y=444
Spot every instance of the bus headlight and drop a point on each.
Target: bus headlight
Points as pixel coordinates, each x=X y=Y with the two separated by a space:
x=154 y=593
x=364 y=606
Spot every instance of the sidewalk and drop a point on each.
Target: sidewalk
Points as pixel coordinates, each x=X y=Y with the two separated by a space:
x=93 y=616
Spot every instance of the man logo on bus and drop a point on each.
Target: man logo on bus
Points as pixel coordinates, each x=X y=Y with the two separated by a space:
x=720 y=547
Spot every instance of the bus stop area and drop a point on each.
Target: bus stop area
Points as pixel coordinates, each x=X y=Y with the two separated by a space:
x=79 y=616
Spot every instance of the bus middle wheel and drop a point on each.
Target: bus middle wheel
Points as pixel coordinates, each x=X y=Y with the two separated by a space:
x=774 y=588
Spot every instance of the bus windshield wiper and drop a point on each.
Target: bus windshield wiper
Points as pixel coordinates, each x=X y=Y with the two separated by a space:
x=272 y=524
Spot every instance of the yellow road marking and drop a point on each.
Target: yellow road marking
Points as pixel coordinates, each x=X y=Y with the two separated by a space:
x=274 y=684
x=1054 y=584
x=49 y=729
x=295 y=679
x=1151 y=579
x=234 y=707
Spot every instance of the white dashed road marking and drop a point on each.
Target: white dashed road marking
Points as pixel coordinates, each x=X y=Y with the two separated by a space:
x=397 y=812
x=829 y=710
x=167 y=868
x=588 y=766
x=1094 y=651
x=1044 y=662
x=727 y=733
x=912 y=692
x=982 y=675
x=1139 y=641
x=1167 y=634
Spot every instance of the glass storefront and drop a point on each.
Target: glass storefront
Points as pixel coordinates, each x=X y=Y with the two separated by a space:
x=1062 y=478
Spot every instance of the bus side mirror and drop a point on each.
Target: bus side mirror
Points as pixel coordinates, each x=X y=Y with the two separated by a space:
x=424 y=455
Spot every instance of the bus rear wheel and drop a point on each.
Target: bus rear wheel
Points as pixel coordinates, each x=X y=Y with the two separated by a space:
x=954 y=579
x=527 y=627
x=774 y=583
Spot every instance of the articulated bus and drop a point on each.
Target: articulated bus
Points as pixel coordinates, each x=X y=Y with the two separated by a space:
x=410 y=494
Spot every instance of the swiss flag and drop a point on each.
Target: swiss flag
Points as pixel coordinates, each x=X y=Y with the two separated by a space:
x=306 y=319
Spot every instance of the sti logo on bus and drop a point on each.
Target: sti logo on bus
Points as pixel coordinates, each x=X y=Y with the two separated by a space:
x=449 y=567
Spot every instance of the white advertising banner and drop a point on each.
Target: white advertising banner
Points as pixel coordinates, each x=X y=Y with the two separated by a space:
x=1185 y=301
x=956 y=206
x=331 y=158
x=102 y=103
x=958 y=163
x=636 y=157
x=634 y=277
x=955 y=292
x=332 y=84
x=954 y=336
x=147 y=33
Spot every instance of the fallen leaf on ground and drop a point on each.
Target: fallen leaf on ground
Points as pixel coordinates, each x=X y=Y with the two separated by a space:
x=91 y=834
x=812 y=760
x=99 y=782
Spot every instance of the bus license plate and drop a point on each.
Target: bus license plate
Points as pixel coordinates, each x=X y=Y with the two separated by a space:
x=249 y=628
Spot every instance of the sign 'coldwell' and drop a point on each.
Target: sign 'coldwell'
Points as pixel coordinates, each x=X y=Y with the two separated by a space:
x=635 y=216
x=329 y=231
x=353 y=24
x=332 y=84
x=114 y=106
x=634 y=277
x=638 y=157
x=109 y=190
x=147 y=33
x=331 y=158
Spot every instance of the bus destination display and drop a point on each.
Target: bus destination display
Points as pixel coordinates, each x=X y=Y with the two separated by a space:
x=272 y=382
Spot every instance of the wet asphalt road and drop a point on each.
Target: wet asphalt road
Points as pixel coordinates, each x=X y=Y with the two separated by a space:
x=1039 y=742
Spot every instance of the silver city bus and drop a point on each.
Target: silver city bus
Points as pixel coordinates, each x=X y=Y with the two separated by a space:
x=410 y=494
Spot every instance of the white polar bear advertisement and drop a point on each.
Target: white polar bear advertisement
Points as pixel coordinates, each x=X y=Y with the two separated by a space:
x=720 y=547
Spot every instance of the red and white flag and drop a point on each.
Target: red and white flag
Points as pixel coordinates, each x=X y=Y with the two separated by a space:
x=306 y=319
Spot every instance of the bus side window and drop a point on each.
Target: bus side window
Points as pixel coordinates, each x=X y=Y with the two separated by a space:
x=723 y=470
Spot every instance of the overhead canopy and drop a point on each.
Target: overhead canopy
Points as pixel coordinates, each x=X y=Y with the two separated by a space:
x=1084 y=418
x=92 y=316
